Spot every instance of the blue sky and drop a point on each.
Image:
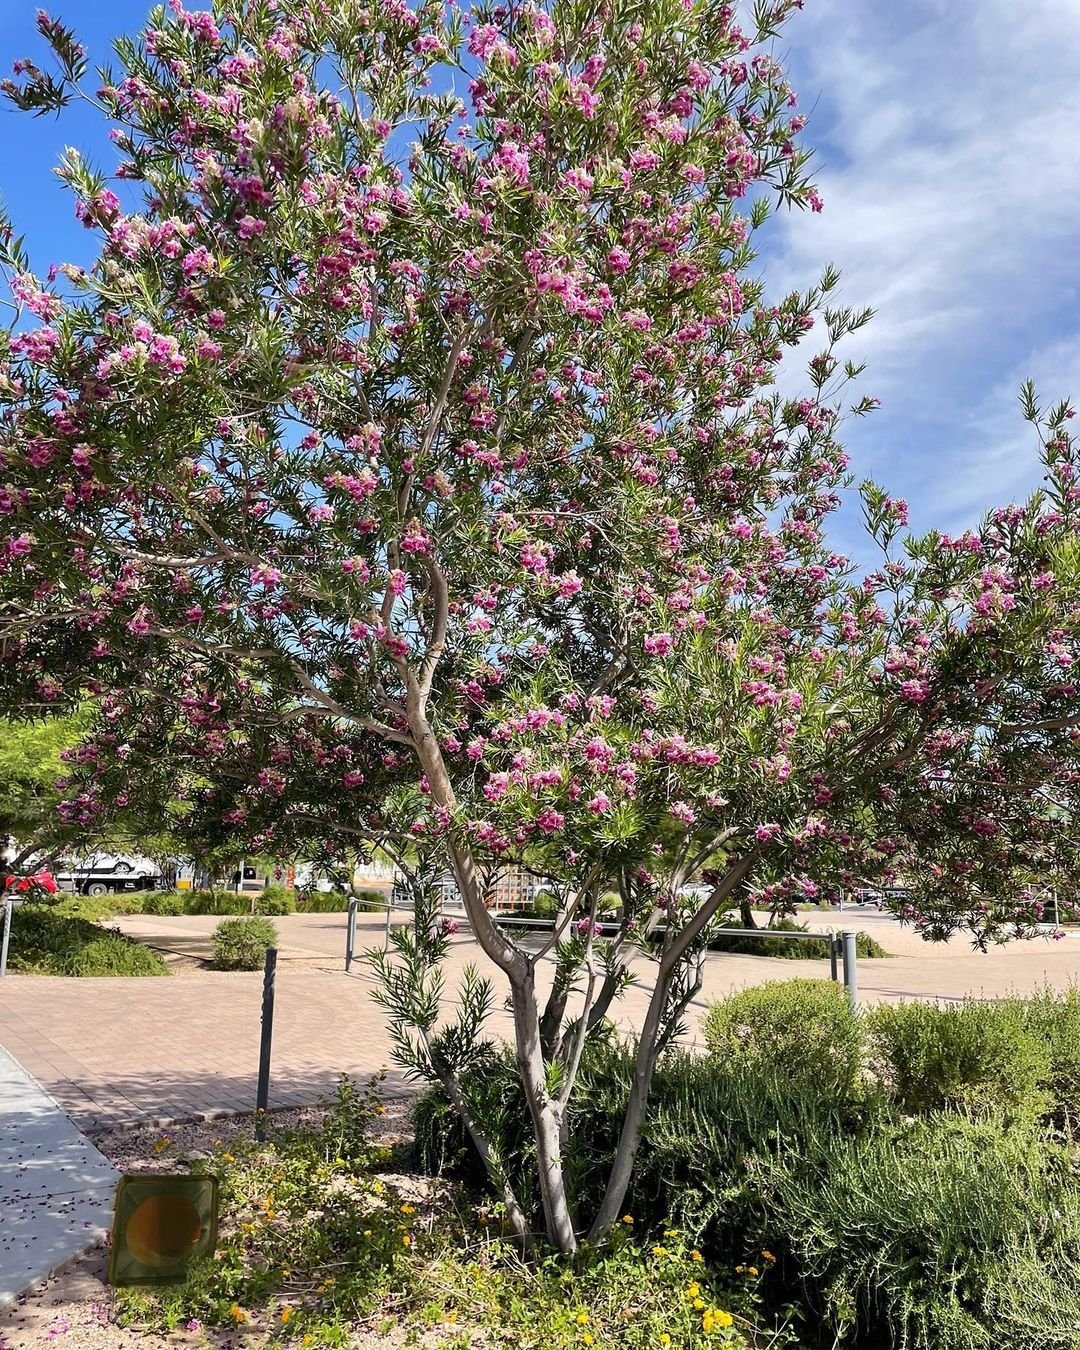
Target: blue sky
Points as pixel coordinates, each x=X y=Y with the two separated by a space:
x=945 y=136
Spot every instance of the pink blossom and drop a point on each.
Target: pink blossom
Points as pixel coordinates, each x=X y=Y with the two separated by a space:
x=659 y=644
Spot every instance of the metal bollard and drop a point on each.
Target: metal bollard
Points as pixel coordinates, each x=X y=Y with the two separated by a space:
x=9 y=906
x=350 y=934
x=834 y=949
x=851 y=970
x=262 y=1095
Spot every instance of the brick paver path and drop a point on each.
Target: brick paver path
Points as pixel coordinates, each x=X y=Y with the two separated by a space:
x=123 y=1050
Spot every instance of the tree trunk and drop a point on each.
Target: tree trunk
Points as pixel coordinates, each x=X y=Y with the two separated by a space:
x=543 y=1111
x=630 y=1135
x=746 y=913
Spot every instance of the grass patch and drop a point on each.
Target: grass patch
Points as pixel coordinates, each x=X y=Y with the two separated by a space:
x=45 y=942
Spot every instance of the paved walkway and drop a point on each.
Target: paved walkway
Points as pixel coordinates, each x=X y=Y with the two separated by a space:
x=117 y=1051
x=56 y=1189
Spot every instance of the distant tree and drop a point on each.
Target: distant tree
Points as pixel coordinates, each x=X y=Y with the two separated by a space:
x=30 y=766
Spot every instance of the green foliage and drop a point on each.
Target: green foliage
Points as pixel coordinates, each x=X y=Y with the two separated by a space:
x=798 y=949
x=166 y=903
x=276 y=899
x=30 y=764
x=1054 y=1020
x=241 y=943
x=951 y=1229
x=322 y=902
x=976 y=1056
x=802 y=1029
x=545 y=904
x=305 y=1225
x=95 y=907
x=46 y=942
x=310 y=1229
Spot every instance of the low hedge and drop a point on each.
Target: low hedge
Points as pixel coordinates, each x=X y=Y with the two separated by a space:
x=46 y=942
x=758 y=942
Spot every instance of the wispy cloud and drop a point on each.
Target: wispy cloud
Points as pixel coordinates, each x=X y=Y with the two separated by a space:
x=948 y=163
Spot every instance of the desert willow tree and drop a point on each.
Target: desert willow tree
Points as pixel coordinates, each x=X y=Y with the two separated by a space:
x=406 y=468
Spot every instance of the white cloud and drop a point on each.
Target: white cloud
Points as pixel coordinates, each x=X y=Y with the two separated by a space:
x=948 y=164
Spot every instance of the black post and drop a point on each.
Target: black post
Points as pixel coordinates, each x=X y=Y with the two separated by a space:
x=834 y=945
x=262 y=1095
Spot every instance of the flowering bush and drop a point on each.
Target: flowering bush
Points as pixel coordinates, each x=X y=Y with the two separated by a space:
x=411 y=466
x=38 y=888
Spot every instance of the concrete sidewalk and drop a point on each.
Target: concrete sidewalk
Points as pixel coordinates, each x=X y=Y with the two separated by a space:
x=56 y=1189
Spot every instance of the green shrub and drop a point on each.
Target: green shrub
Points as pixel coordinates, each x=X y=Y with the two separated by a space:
x=757 y=942
x=973 y=1055
x=165 y=903
x=545 y=904
x=221 y=902
x=1054 y=1020
x=276 y=899
x=802 y=1029
x=940 y=1233
x=944 y=1232
x=101 y=906
x=336 y=902
x=49 y=943
x=610 y=903
x=240 y=943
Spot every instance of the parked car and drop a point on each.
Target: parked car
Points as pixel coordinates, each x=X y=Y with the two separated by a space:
x=106 y=873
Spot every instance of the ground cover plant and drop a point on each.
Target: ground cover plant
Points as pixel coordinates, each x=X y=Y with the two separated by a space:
x=45 y=942
x=324 y=1237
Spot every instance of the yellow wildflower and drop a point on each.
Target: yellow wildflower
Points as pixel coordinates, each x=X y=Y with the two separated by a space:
x=407 y=1240
x=286 y=1314
x=751 y=1270
x=693 y=1289
x=659 y=1251
x=767 y=1256
x=587 y=1339
x=237 y=1313
x=628 y=1218
x=716 y=1319
x=161 y=1145
x=695 y=1255
x=582 y=1318
x=227 y=1157
x=408 y=1209
x=665 y=1339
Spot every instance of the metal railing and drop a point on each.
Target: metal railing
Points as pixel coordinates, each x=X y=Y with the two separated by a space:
x=842 y=946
